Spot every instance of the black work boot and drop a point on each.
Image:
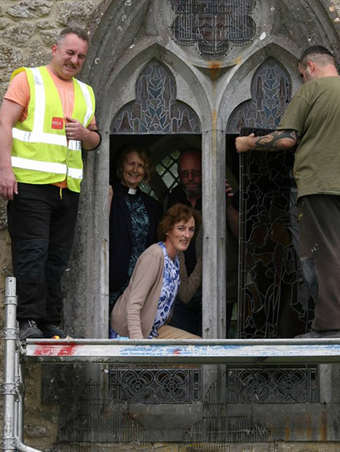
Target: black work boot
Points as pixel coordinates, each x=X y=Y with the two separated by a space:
x=51 y=330
x=28 y=329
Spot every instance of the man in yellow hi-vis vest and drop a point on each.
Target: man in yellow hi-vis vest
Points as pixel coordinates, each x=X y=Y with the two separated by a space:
x=46 y=119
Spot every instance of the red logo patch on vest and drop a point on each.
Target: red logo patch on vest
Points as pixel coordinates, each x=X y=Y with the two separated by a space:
x=57 y=123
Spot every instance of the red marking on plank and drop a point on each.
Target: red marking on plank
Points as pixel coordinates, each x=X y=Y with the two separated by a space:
x=177 y=351
x=55 y=350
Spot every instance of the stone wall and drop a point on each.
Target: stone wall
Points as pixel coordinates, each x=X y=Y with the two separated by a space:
x=27 y=32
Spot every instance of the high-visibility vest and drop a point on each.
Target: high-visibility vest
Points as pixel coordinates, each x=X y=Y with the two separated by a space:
x=41 y=153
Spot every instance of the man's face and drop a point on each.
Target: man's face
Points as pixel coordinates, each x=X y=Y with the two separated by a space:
x=68 y=57
x=190 y=173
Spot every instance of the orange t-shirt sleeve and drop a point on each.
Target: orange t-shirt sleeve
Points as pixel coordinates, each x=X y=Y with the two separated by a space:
x=19 y=92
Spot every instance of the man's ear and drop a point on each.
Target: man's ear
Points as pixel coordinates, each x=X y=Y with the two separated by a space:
x=54 y=49
x=311 y=65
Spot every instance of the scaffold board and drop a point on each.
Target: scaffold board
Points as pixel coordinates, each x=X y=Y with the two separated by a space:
x=269 y=351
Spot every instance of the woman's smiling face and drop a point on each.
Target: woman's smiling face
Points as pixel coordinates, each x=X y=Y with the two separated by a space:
x=178 y=239
x=133 y=170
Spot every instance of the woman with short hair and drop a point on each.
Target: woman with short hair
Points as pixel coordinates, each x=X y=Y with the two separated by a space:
x=145 y=307
x=134 y=218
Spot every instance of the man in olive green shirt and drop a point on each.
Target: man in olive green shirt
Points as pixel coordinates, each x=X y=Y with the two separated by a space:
x=312 y=122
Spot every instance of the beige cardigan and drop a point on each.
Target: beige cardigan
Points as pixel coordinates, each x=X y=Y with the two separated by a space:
x=135 y=311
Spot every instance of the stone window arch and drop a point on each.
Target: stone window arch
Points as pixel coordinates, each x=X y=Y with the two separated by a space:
x=271 y=91
x=155 y=109
x=156 y=112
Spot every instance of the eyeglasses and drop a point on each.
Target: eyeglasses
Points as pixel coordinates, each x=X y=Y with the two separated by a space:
x=194 y=173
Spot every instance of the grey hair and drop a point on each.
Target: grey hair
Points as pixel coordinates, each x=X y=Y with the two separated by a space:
x=82 y=34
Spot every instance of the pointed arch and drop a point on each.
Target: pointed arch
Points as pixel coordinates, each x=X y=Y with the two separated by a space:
x=271 y=91
x=155 y=108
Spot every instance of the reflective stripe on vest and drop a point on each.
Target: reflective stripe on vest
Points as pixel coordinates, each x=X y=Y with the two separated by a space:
x=35 y=165
x=47 y=167
x=75 y=173
x=87 y=97
x=37 y=135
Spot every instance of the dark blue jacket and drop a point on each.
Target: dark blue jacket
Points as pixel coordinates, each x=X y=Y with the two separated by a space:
x=121 y=233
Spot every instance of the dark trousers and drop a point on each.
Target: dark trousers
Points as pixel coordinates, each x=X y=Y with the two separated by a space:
x=41 y=223
x=320 y=256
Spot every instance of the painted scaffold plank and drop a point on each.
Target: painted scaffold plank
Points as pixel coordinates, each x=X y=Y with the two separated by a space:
x=271 y=351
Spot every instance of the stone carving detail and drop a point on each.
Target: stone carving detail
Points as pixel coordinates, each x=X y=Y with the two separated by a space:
x=255 y=385
x=156 y=385
x=281 y=385
x=213 y=26
x=156 y=109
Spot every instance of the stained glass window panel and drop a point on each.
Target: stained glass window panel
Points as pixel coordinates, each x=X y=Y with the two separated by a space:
x=155 y=109
x=270 y=95
x=213 y=26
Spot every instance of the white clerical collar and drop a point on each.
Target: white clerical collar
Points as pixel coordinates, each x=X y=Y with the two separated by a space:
x=132 y=191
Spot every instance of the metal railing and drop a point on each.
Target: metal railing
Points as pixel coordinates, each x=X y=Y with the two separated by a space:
x=219 y=351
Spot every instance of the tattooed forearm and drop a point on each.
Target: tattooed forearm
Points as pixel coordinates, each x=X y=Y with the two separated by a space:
x=277 y=141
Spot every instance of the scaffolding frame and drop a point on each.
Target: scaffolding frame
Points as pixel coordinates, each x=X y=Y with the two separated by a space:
x=202 y=351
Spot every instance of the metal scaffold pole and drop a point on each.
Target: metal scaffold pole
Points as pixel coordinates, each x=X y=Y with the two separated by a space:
x=12 y=425
x=9 y=386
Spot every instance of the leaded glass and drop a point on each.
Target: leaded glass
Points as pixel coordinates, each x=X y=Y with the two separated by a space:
x=273 y=296
x=270 y=94
x=167 y=169
x=155 y=109
x=213 y=26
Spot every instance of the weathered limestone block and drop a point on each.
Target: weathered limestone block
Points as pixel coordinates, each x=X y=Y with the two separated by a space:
x=335 y=3
x=10 y=57
x=45 y=24
x=334 y=9
x=75 y=12
x=36 y=431
x=3 y=212
x=3 y=23
x=5 y=249
x=19 y=34
x=4 y=85
x=38 y=56
x=30 y=9
x=48 y=37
